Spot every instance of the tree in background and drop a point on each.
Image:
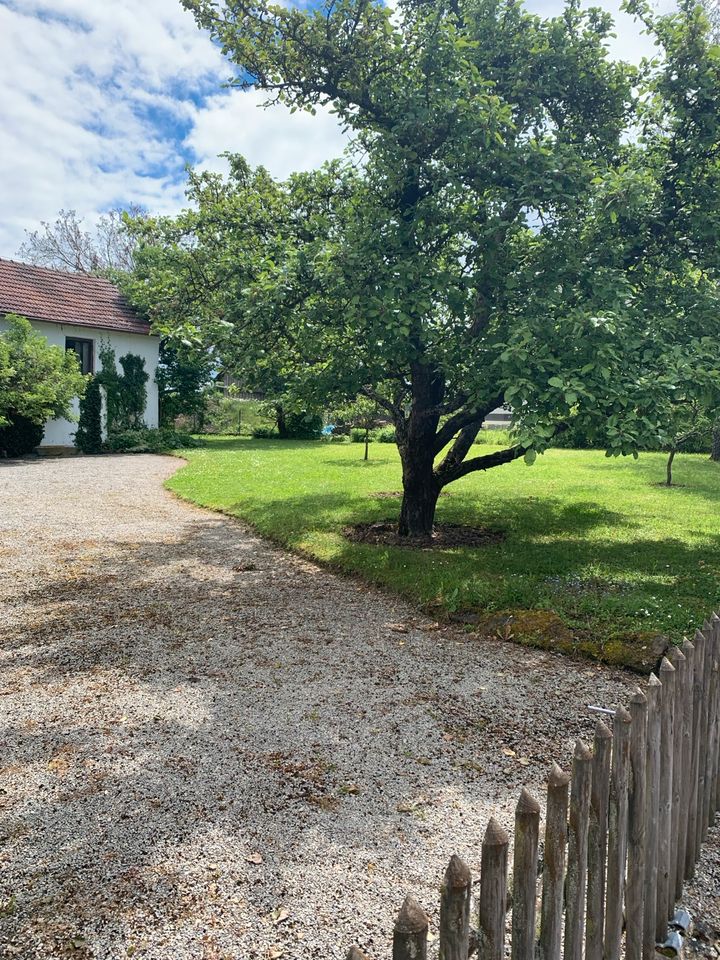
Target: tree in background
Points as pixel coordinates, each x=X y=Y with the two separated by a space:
x=66 y=245
x=182 y=376
x=363 y=414
x=37 y=383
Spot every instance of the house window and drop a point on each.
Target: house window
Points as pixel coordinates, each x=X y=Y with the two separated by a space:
x=84 y=351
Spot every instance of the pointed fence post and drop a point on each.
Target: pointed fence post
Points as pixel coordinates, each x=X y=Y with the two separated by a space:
x=597 y=842
x=617 y=834
x=686 y=776
x=455 y=896
x=553 y=882
x=637 y=802
x=692 y=849
x=703 y=785
x=653 y=693
x=577 y=851
x=713 y=722
x=410 y=933
x=667 y=742
x=677 y=658
x=493 y=892
x=525 y=864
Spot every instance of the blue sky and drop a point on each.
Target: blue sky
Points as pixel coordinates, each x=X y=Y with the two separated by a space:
x=105 y=101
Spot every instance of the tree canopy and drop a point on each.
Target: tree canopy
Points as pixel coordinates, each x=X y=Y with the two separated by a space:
x=493 y=236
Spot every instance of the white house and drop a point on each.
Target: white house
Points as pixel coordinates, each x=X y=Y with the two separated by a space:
x=78 y=312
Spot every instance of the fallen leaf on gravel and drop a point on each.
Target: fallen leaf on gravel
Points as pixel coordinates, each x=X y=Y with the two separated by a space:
x=282 y=913
x=275 y=952
x=254 y=858
x=524 y=761
x=398 y=627
x=508 y=752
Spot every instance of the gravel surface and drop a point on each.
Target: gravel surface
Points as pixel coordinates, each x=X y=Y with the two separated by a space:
x=212 y=750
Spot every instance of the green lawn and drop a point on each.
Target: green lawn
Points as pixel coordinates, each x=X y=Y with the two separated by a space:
x=597 y=556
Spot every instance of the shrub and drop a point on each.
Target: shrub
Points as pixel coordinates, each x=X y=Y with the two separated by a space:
x=385 y=435
x=303 y=426
x=265 y=433
x=88 y=436
x=20 y=435
x=357 y=435
x=149 y=440
x=37 y=383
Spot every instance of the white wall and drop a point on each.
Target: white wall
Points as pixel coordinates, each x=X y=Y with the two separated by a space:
x=59 y=433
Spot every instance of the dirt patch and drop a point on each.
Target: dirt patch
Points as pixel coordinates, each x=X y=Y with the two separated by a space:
x=397 y=494
x=446 y=535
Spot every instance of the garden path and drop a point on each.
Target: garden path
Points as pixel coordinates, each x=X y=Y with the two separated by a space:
x=211 y=749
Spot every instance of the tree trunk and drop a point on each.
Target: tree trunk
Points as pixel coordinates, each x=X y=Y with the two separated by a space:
x=668 y=481
x=421 y=490
x=280 y=420
x=367 y=442
x=716 y=442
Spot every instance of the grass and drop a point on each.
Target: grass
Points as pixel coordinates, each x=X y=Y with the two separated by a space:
x=597 y=556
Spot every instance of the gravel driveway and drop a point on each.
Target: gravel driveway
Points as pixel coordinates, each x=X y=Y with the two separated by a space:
x=212 y=750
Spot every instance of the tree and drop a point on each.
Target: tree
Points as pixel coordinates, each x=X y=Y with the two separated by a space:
x=38 y=382
x=66 y=245
x=88 y=437
x=182 y=376
x=363 y=414
x=463 y=263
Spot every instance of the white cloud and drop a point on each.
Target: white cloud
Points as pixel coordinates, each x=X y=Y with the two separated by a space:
x=104 y=101
x=274 y=137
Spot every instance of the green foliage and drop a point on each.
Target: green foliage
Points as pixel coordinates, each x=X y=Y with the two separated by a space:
x=88 y=436
x=532 y=224
x=301 y=425
x=125 y=393
x=265 y=433
x=20 y=436
x=147 y=440
x=605 y=548
x=385 y=435
x=182 y=376
x=37 y=383
x=231 y=416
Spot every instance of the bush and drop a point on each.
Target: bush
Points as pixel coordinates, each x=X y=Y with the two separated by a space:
x=148 y=440
x=385 y=435
x=88 y=436
x=265 y=433
x=20 y=436
x=357 y=435
x=303 y=426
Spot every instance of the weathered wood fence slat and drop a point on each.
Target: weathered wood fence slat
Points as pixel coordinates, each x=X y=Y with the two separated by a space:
x=622 y=834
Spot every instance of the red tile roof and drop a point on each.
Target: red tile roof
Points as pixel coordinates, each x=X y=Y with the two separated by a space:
x=58 y=296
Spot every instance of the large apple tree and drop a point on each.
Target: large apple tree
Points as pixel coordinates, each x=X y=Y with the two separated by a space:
x=465 y=253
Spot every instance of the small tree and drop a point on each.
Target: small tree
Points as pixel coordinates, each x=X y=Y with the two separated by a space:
x=363 y=414
x=37 y=383
x=88 y=437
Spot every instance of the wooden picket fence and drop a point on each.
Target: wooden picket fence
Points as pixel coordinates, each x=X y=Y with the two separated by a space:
x=623 y=832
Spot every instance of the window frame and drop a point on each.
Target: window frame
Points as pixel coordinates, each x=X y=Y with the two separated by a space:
x=91 y=352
